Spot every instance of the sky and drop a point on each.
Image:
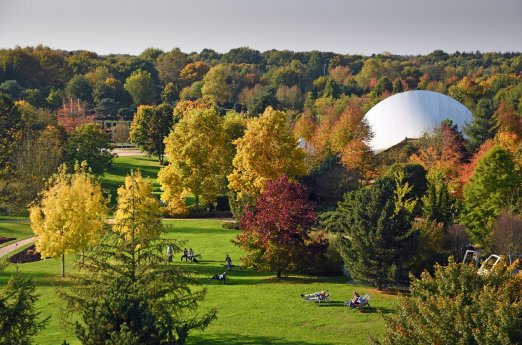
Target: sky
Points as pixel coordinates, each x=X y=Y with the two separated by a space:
x=342 y=26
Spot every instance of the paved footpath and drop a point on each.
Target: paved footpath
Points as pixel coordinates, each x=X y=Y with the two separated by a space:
x=128 y=152
x=14 y=246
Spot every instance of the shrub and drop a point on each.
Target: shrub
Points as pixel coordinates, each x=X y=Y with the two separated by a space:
x=459 y=306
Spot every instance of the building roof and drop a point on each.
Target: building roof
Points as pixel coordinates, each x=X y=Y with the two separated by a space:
x=411 y=114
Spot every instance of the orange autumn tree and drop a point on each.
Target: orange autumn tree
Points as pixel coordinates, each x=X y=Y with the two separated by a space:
x=349 y=137
x=468 y=168
x=357 y=155
x=508 y=120
x=72 y=115
x=305 y=126
x=442 y=150
x=509 y=134
x=342 y=131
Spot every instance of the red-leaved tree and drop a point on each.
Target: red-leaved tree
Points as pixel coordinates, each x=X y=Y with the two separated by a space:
x=276 y=235
x=72 y=115
x=443 y=149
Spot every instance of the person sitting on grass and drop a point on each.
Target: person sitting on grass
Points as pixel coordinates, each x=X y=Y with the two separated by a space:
x=356 y=300
x=191 y=256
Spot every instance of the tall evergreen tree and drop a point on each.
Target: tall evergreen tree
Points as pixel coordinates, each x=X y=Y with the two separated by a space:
x=130 y=295
x=397 y=86
x=482 y=126
x=437 y=205
x=19 y=320
x=377 y=242
x=493 y=183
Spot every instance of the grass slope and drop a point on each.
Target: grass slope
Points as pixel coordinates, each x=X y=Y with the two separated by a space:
x=114 y=177
x=19 y=229
x=253 y=308
x=122 y=166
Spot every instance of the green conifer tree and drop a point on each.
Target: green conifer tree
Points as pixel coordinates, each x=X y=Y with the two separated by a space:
x=377 y=241
x=493 y=183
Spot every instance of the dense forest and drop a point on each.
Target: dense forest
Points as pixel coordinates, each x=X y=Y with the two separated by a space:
x=248 y=80
x=323 y=95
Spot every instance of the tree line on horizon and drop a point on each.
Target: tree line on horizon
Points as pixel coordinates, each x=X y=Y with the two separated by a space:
x=243 y=79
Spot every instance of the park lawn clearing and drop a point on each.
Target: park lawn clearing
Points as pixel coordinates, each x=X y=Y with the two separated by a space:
x=15 y=228
x=149 y=166
x=114 y=177
x=253 y=308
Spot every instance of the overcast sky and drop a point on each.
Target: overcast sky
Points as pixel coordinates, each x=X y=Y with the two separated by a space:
x=364 y=27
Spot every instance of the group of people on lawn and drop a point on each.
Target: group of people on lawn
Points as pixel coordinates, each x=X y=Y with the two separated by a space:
x=323 y=296
x=189 y=255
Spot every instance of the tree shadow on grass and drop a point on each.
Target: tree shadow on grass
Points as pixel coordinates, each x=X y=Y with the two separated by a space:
x=366 y=310
x=231 y=339
x=332 y=304
x=239 y=276
x=41 y=279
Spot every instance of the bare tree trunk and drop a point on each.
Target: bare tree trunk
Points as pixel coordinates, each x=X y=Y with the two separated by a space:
x=63 y=265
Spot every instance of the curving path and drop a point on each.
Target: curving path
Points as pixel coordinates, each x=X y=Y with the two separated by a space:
x=128 y=152
x=14 y=246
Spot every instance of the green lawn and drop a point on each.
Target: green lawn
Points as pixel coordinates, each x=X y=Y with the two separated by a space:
x=17 y=228
x=122 y=166
x=253 y=308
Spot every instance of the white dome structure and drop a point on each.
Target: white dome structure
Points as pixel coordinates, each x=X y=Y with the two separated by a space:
x=411 y=114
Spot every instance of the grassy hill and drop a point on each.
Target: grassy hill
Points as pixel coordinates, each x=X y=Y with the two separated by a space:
x=253 y=308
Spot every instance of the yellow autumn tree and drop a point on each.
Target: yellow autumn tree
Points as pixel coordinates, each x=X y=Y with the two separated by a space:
x=138 y=214
x=197 y=151
x=70 y=214
x=216 y=84
x=266 y=151
x=234 y=125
